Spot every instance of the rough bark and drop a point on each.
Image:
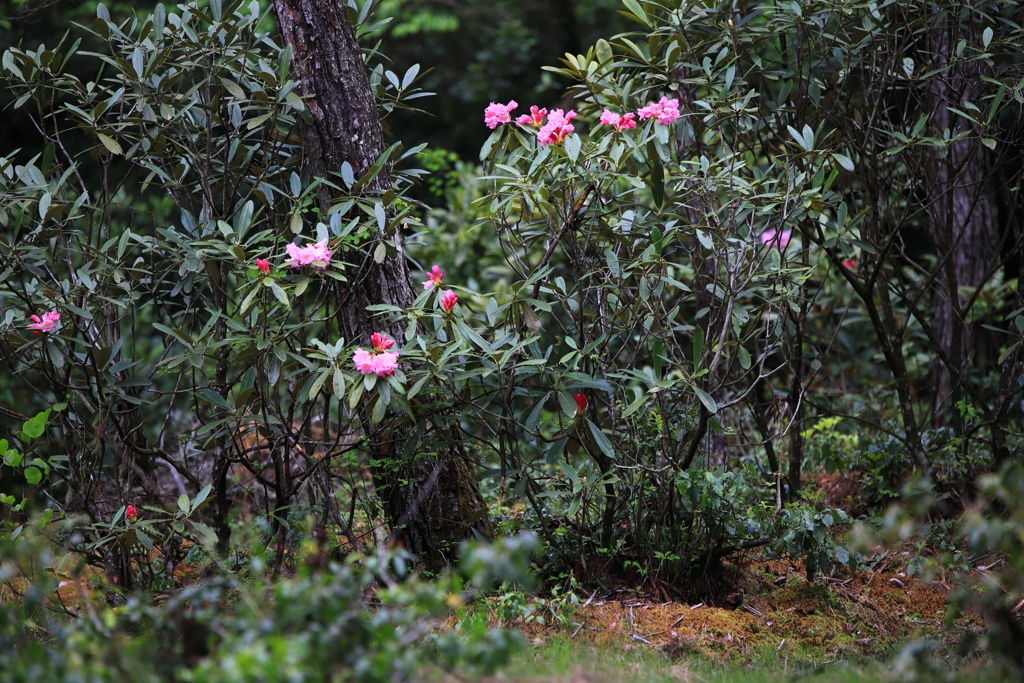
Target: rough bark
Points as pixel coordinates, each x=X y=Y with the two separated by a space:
x=963 y=217
x=432 y=501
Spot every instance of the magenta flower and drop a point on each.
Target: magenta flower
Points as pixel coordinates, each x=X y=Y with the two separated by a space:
x=776 y=240
x=263 y=265
x=535 y=118
x=448 y=300
x=381 y=342
x=620 y=121
x=557 y=127
x=48 y=323
x=308 y=255
x=434 y=278
x=498 y=113
x=665 y=111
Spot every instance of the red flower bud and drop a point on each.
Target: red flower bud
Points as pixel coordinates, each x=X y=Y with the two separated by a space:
x=130 y=513
x=381 y=342
x=581 y=402
x=263 y=265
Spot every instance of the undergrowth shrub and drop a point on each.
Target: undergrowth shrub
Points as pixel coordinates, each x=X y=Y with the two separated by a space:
x=363 y=619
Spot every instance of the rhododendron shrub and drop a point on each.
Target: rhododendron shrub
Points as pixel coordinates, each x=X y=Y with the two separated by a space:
x=194 y=346
x=646 y=259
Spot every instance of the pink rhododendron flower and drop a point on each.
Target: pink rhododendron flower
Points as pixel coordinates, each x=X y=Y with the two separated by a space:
x=380 y=364
x=581 y=402
x=448 y=300
x=776 y=240
x=130 y=513
x=498 y=113
x=434 y=278
x=665 y=111
x=381 y=342
x=850 y=263
x=385 y=364
x=363 y=360
x=263 y=265
x=620 y=121
x=309 y=254
x=557 y=127
x=535 y=118
x=48 y=323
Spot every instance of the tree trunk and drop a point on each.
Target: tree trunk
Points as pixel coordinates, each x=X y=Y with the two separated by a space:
x=432 y=500
x=963 y=219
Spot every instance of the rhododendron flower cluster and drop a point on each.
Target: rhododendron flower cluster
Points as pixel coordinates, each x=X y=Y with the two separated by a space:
x=535 y=118
x=448 y=300
x=620 y=121
x=48 y=323
x=557 y=127
x=775 y=239
x=434 y=278
x=382 y=363
x=665 y=111
x=498 y=113
x=309 y=254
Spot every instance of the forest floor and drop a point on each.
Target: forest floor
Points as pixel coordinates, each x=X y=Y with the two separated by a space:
x=850 y=628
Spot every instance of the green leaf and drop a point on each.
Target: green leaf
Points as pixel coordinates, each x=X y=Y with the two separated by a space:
x=571 y=473
x=201 y=497
x=34 y=427
x=184 y=504
x=657 y=183
x=206 y=531
x=572 y=146
x=568 y=404
x=698 y=346
x=601 y=440
x=280 y=294
x=233 y=88
x=338 y=384
x=707 y=400
x=33 y=476
x=637 y=11
x=843 y=160
x=213 y=397
x=110 y=144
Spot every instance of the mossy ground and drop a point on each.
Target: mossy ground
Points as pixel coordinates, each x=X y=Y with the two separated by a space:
x=861 y=617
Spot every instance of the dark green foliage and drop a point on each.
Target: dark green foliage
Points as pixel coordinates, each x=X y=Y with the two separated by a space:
x=314 y=627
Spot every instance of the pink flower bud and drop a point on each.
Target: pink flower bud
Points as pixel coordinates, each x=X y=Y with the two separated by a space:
x=535 y=118
x=448 y=300
x=381 y=342
x=581 y=402
x=850 y=263
x=263 y=265
x=434 y=278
